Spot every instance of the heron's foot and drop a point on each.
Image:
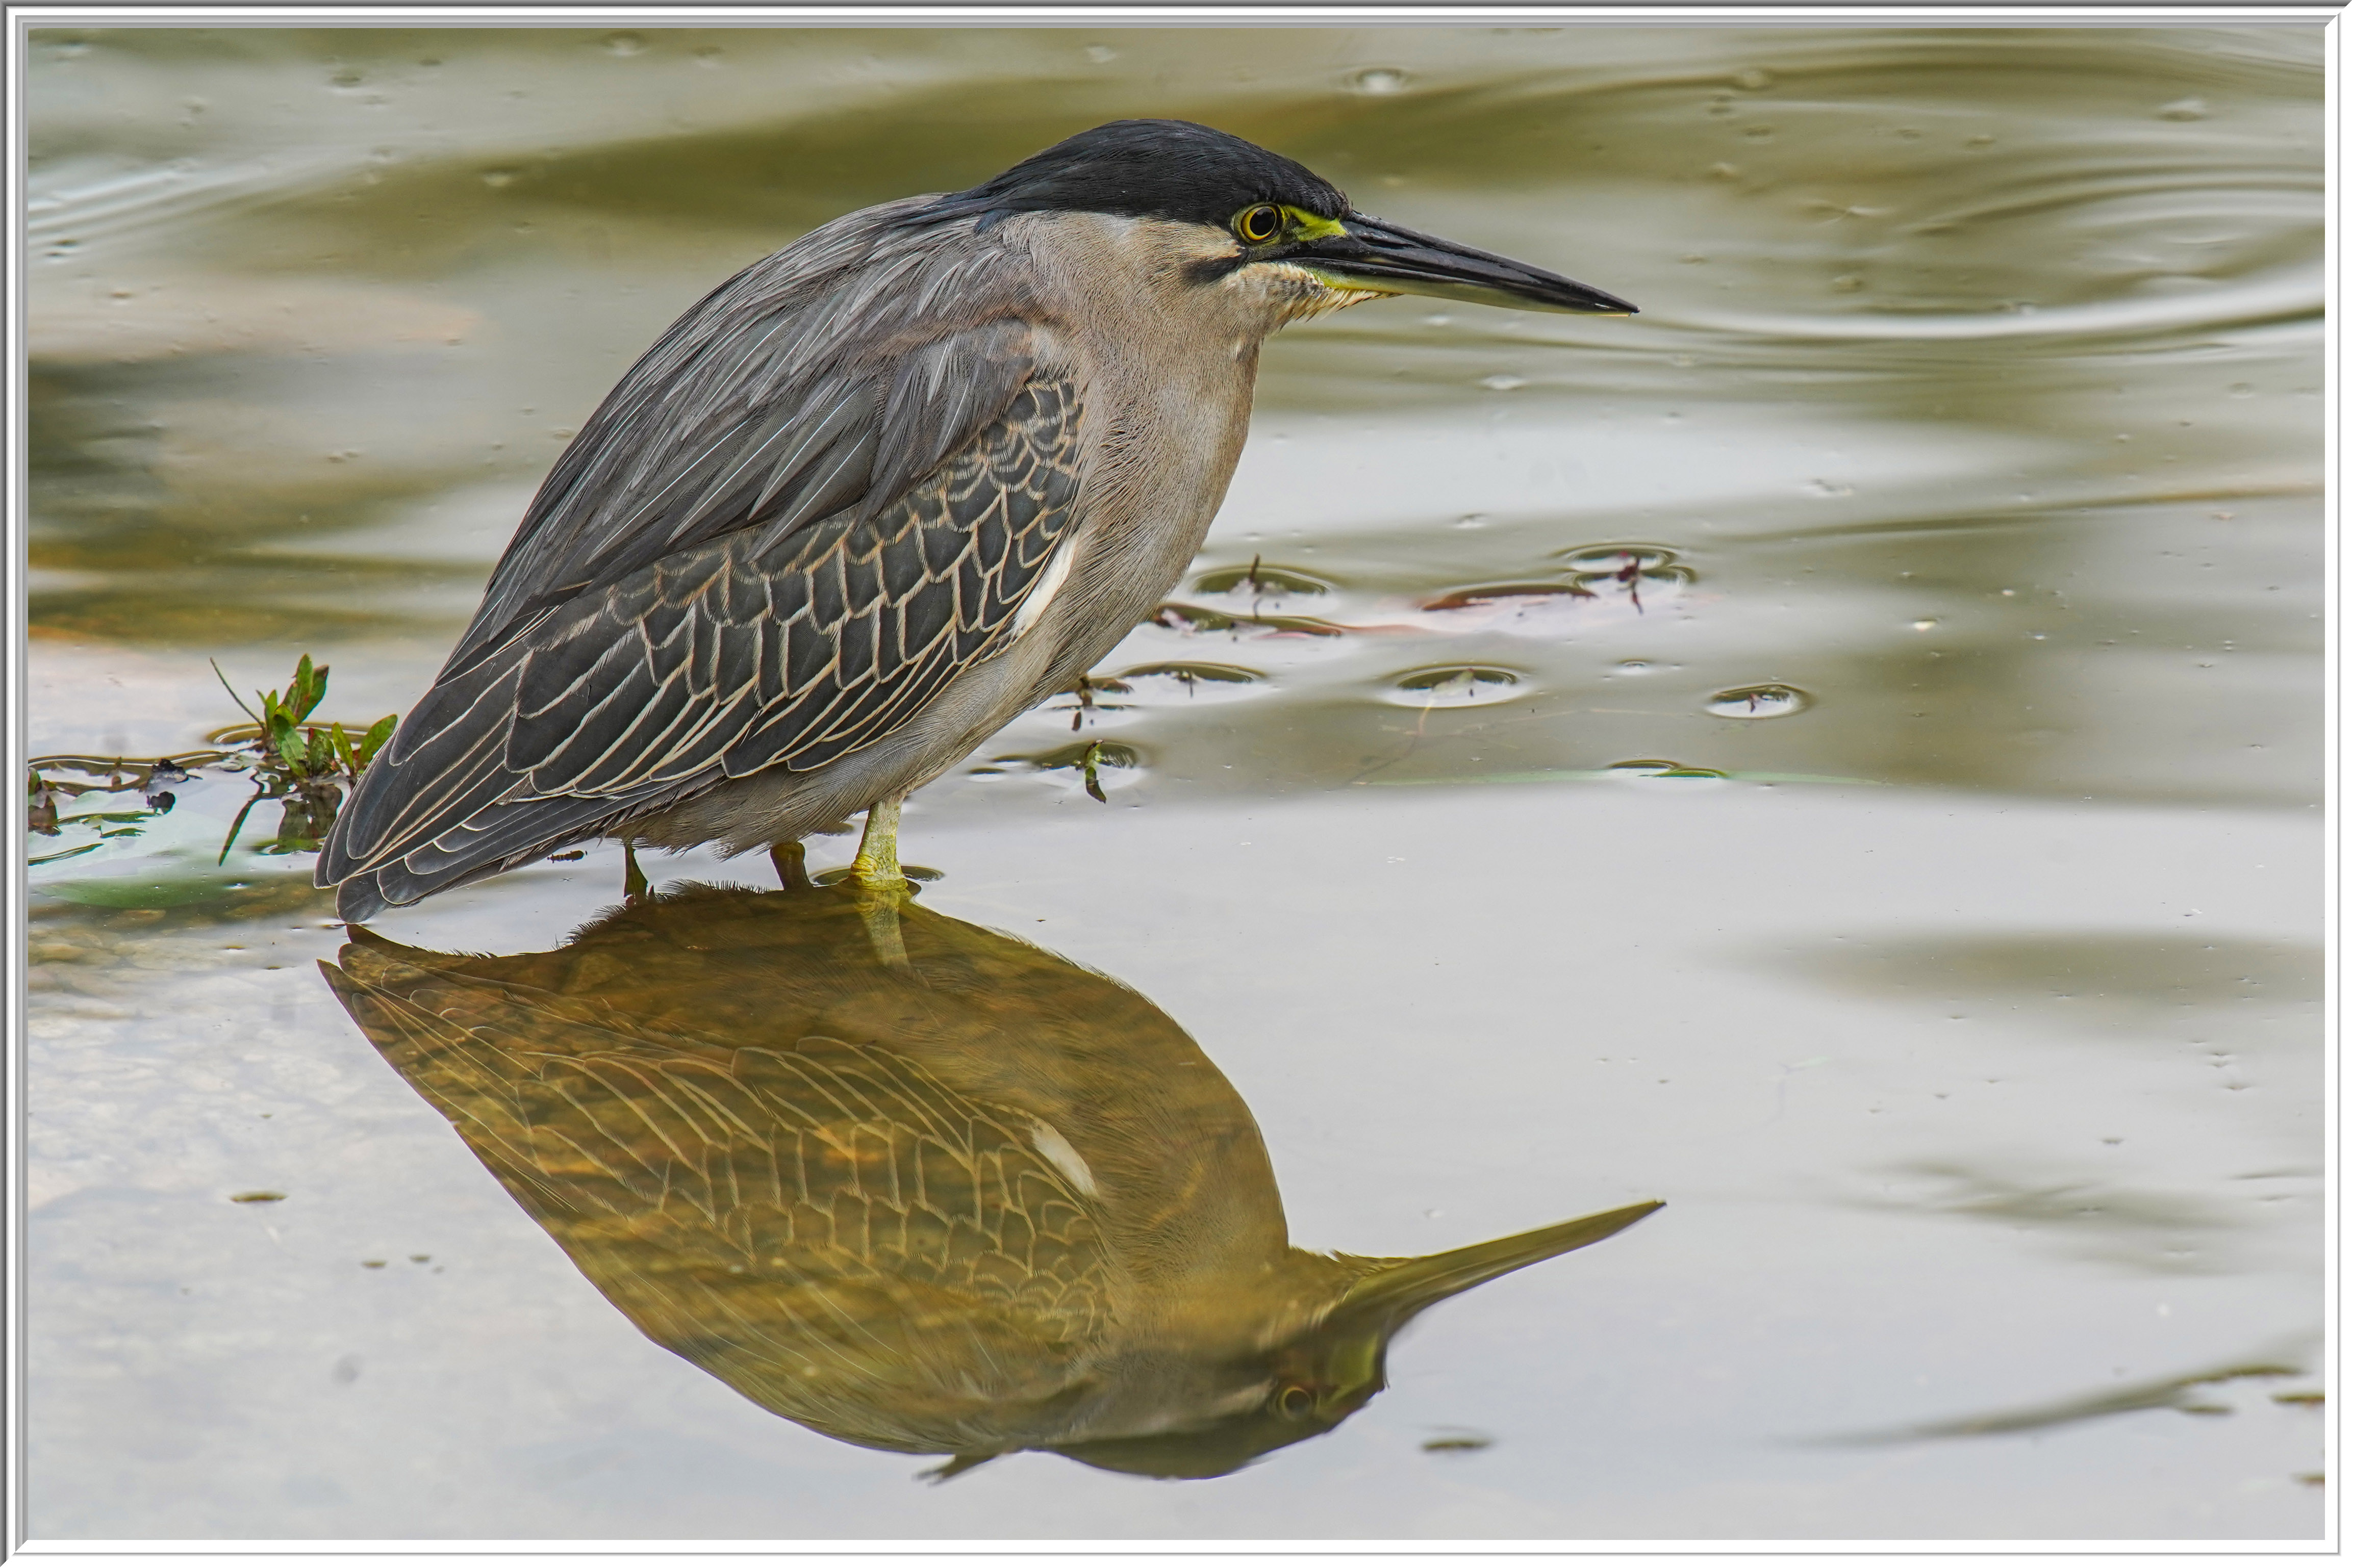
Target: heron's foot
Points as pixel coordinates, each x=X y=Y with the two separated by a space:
x=791 y=861
x=634 y=886
x=876 y=868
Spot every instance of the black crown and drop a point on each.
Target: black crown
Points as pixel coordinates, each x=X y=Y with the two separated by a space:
x=1149 y=168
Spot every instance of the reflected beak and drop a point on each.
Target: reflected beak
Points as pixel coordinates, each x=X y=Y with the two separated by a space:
x=1402 y=1291
x=1369 y=253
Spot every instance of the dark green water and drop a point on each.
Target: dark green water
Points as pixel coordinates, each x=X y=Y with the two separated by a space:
x=1969 y=446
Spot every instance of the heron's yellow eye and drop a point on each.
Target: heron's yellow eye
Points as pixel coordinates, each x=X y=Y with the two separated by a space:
x=1294 y=1401
x=1259 y=224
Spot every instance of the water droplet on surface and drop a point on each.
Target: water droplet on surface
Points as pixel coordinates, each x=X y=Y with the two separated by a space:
x=1771 y=701
x=1499 y=383
x=623 y=43
x=1378 y=80
x=1634 y=667
x=1453 y=685
x=1753 y=80
x=1101 y=54
x=2184 y=108
x=1190 y=681
x=1616 y=557
x=2240 y=389
x=1925 y=623
x=1654 y=583
x=1109 y=755
x=1260 y=580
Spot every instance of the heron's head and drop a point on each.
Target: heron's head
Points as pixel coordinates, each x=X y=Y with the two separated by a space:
x=1230 y=216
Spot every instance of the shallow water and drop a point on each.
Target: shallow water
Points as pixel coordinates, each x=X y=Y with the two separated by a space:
x=1942 y=544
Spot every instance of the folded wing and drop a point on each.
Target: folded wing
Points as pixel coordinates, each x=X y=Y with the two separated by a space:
x=699 y=595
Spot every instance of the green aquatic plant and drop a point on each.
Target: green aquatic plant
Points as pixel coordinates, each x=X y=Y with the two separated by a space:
x=301 y=750
x=298 y=762
x=291 y=757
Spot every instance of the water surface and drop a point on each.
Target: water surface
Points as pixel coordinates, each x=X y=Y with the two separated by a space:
x=1838 y=753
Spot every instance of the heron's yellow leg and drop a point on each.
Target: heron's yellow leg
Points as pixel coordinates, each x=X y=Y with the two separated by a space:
x=876 y=866
x=634 y=885
x=791 y=861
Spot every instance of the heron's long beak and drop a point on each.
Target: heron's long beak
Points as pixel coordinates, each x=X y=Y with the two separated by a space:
x=1403 y=1289
x=1368 y=253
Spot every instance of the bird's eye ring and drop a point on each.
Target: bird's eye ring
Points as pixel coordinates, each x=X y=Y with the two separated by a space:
x=1259 y=224
x=1294 y=1402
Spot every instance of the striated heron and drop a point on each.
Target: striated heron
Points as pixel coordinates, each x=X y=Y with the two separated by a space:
x=956 y=1196
x=873 y=498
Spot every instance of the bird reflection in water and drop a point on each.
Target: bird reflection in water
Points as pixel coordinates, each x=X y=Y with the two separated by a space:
x=942 y=1194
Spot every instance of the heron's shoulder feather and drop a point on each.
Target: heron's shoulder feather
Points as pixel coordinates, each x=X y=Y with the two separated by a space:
x=834 y=373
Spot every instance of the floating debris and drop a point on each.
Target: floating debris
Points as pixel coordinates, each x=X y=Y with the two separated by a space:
x=1659 y=768
x=1192 y=619
x=1498 y=593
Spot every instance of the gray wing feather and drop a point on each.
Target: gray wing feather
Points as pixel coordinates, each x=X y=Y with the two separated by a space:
x=837 y=373
x=729 y=656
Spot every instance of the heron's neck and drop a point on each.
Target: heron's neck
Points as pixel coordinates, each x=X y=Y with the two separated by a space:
x=1167 y=366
